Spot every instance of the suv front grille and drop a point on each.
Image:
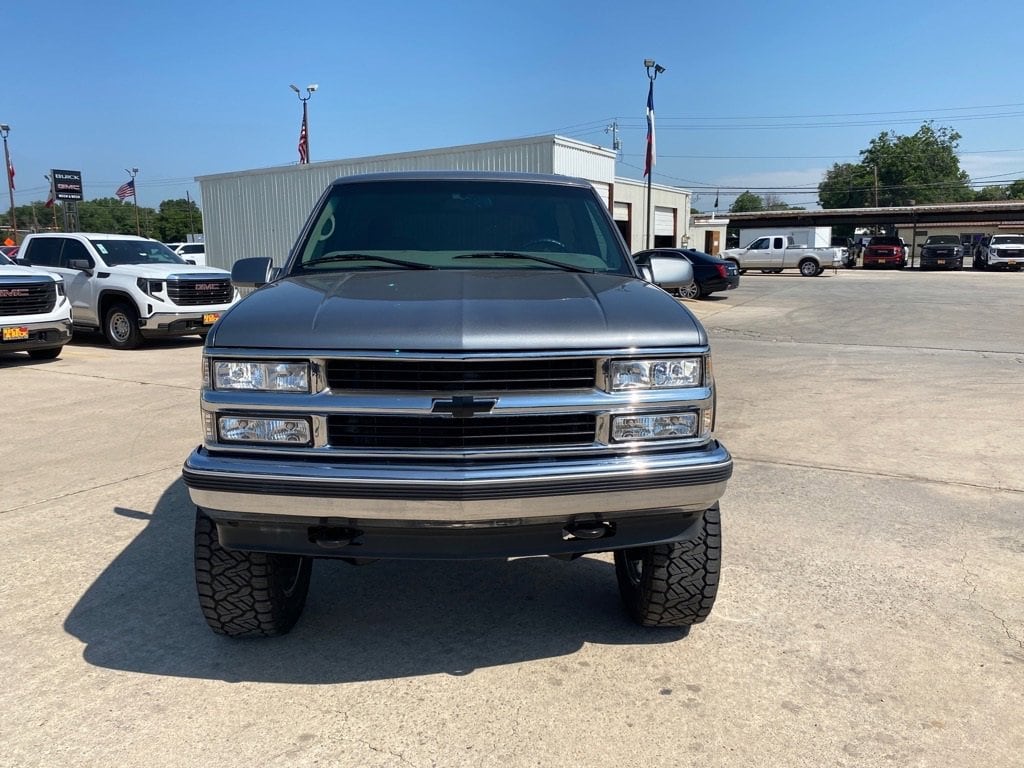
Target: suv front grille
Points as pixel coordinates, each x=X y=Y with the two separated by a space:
x=27 y=298
x=193 y=293
x=457 y=376
x=472 y=433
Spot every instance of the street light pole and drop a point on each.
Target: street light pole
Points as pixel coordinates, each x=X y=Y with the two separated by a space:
x=304 y=132
x=653 y=70
x=4 y=130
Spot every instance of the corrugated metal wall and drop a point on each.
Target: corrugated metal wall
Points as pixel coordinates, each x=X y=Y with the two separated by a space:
x=260 y=213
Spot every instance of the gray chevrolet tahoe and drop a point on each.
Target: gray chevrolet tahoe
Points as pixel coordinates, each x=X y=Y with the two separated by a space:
x=455 y=365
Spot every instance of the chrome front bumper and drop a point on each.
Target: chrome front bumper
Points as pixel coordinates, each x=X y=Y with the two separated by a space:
x=449 y=493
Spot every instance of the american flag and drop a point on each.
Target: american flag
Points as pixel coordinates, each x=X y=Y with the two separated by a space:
x=649 y=164
x=304 y=141
x=126 y=190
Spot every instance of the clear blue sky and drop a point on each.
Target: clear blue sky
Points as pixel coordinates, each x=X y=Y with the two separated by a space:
x=190 y=88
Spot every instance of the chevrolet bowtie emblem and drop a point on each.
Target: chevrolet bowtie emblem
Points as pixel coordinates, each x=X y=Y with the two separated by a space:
x=464 y=407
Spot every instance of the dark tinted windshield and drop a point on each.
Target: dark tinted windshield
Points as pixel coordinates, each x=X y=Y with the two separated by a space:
x=117 y=252
x=435 y=222
x=885 y=241
x=1008 y=240
x=943 y=240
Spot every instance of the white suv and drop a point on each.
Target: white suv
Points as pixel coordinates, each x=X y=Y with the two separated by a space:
x=131 y=287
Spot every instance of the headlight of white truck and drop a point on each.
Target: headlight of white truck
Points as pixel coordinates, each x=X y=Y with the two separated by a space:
x=669 y=373
x=258 y=375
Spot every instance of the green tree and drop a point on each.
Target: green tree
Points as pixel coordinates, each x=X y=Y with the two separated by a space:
x=1016 y=190
x=177 y=218
x=990 y=193
x=747 y=201
x=113 y=216
x=922 y=168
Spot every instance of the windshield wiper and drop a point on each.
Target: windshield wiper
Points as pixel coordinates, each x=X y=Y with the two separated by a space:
x=366 y=256
x=527 y=256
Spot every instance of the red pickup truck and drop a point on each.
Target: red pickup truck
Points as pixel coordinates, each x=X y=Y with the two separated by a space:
x=885 y=251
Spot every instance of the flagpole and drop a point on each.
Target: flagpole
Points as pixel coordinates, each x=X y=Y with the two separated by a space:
x=135 y=199
x=4 y=130
x=650 y=64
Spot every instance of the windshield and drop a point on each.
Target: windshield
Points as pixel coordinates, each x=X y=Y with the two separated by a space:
x=119 y=252
x=462 y=224
x=885 y=241
x=943 y=240
x=1008 y=240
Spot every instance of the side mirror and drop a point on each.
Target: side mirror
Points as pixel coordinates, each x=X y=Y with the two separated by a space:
x=81 y=265
x=253 y=273
x=190 y=261
x=670 y=272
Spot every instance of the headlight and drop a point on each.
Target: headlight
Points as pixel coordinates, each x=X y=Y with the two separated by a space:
x=658 y=426
x=246 y=429
x=261 y=376
x=60 y=288
x=150 y=287
x=655 y=374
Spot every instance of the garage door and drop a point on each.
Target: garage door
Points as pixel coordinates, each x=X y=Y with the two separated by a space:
x=664 y=221
x=622 y=211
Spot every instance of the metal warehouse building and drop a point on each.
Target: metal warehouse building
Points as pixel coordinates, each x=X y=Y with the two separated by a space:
x=260 y=212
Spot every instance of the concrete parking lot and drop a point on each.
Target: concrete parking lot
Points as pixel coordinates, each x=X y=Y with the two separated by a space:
x=871 y=610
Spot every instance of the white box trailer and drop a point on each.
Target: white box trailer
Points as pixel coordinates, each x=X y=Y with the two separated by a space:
x=809 y=237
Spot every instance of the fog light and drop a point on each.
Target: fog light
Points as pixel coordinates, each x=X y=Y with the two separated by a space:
x=660 y=426
x=245 y=429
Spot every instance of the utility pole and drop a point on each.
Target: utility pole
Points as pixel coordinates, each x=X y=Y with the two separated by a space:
x=613 y=128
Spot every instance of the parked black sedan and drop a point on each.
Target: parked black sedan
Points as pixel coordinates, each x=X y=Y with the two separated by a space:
x=710 y=273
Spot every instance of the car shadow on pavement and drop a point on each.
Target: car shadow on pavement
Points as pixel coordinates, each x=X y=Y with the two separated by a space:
x=386 y=620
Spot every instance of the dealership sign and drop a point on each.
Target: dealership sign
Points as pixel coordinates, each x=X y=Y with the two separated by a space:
x=67 y=185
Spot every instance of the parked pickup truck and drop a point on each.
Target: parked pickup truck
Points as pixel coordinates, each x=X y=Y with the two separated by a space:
x=774 y=253
x=35 y=315
x=885 y=251
x=131 y=287
x=455 y=365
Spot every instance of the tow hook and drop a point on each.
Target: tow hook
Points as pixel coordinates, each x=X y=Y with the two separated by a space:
x=591 y=529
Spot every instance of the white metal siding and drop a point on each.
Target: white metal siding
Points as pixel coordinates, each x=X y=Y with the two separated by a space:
x=260 y=213
x=604 y=190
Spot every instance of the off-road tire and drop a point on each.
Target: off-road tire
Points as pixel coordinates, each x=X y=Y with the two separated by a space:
x=675 y=584
x=121 y=326
x=247 y=594
x=45 y=354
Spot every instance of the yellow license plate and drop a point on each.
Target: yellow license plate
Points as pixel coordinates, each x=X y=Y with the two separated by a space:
x=210 y=318
x=15 y=334
x=940 y=261
x=1011 y=263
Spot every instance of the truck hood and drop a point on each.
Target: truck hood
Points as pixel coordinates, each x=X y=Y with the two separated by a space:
x=458 y=310
x=164 y=271
x=20 y=273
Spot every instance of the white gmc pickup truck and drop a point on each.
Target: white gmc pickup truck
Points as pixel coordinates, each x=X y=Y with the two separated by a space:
x=35 y=315
x=774 y=253
x=131 y=287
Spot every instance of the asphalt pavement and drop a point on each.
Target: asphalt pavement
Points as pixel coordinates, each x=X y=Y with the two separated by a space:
x=871 y=609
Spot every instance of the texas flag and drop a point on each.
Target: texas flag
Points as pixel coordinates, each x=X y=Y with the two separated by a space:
x=10 y=172
x=650 y=131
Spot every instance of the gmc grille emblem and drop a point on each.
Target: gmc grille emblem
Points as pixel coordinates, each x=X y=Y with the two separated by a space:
x=207 y=286
x=13 y=293
x=464 y=407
